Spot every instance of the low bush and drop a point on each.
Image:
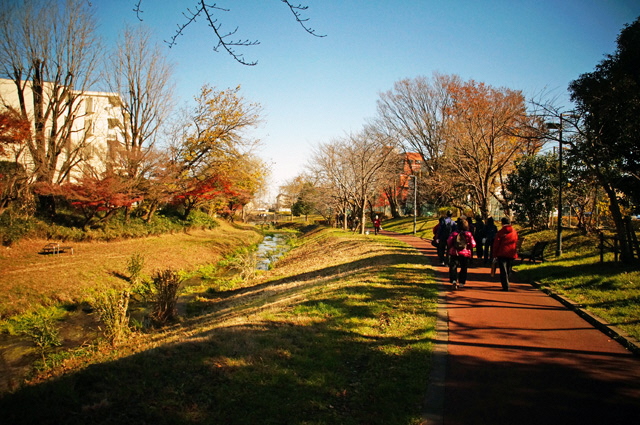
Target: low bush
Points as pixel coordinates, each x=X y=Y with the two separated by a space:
x=12 y=229
x=42 y=330
x=66 y=228
x=166 y=285
x=112 y=306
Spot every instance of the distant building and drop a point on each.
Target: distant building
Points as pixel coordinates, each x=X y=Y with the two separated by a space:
x=96 y=128
x=283 y=203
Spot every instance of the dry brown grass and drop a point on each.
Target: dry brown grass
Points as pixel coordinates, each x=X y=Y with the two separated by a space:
x=29 y=279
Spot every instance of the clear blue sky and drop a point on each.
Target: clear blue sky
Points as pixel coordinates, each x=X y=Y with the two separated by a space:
x=316 y=89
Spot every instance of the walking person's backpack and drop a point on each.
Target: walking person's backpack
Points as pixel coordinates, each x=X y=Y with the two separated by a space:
x=445 y=230
x=460 y=243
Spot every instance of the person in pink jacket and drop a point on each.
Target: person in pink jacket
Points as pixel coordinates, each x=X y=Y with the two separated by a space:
x=505 y=250
x=460 y=248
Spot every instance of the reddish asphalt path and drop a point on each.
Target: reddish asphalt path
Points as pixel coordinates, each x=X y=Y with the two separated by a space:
x=521 y=357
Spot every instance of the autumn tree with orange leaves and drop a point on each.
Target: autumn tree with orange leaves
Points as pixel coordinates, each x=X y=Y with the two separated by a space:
x=487 y=130
x=97 y=198
x=468 y=135
x=213 y=155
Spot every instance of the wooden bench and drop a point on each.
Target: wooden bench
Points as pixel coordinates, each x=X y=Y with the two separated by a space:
x=536 y=253
x=55 y=248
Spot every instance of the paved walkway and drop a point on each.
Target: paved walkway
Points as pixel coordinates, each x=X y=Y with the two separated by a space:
x=521 y=357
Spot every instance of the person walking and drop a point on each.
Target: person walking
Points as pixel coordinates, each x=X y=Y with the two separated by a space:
x=505 y=250
x=460 y=247
x=478 y=235
x=376 y=225
x=447 y=226
x=490 y=231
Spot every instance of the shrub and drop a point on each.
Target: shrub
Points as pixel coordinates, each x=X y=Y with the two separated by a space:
x=12 y=229
x=41 y=329
x=112 y=306
x=244 y=262
x=134 y=267
x=201 y=220
x=166 y=286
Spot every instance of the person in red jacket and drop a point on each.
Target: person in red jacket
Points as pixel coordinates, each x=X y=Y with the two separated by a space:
x=460 y=251
x=376 y=225
x=505 y=250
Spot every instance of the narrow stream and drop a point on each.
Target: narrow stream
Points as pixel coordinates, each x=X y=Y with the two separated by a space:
x=271 y=249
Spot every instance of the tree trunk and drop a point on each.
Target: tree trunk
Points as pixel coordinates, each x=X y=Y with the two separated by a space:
x=616 y=214
x=363 y=216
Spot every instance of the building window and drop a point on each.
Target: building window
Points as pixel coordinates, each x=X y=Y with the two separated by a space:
x=88 y=105
x=113 y=123
x=88 y=127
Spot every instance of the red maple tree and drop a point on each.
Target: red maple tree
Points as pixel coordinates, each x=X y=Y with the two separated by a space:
x=216 y=190
x=98 y=199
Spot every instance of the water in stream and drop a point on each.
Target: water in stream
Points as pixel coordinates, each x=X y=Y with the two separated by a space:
x=271 y=249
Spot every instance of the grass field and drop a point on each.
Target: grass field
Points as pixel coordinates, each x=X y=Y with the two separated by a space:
x=338 y=332
x=29 y=279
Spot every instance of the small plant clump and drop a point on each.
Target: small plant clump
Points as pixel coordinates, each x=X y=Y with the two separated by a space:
x=112 y=306
x=140 y=284
x=41 y=329
x=166 y=288
x=134 y=267
x=245 y=263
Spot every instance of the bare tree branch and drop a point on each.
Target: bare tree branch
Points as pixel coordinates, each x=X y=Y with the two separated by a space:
x=225 y=42
x=302 y=21
x=138 y=11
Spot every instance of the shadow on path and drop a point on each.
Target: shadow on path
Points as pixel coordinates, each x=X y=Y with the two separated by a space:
x=521 y=357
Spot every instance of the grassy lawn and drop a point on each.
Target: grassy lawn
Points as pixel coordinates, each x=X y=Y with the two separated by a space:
x=29 y=279
x=339 y=332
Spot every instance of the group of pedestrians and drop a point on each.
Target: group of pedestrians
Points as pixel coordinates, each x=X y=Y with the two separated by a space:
x=456 y=242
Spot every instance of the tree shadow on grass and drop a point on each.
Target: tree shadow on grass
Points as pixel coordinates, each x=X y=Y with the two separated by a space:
x=293 y=368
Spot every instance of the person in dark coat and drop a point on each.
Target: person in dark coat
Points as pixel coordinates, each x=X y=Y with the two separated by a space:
x=478 y=235
x=490 y=231
x=505 y=250
x=447 y=226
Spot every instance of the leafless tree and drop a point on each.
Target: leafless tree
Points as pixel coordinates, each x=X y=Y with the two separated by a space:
x=49 y=50
x=331 y=172
x=354 y=167
x=225 y=41
x=140 y=74
x=415 y=113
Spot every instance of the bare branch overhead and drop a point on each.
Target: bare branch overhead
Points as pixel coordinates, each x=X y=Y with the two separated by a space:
x=224 y=40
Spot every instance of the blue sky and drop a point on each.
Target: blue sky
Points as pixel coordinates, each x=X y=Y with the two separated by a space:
x=313 y=90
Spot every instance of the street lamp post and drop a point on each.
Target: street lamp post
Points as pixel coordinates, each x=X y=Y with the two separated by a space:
x=415 y=198
x=559 y=127
x=560 y=186
x=415 y=201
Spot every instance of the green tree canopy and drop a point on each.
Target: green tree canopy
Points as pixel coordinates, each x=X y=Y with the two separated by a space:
x=608 y=99
x=531 y=188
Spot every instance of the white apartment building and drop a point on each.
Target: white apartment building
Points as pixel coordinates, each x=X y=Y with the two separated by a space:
x=95 y=132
